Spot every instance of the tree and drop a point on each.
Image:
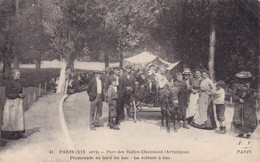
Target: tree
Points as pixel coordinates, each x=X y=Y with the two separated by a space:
x=6 y=16
x=130 y=22
x=75 y=25
x=212 y=43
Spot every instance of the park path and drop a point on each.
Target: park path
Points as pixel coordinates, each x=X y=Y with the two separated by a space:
x=147 y=135
x=46 y=140
x=43 y=132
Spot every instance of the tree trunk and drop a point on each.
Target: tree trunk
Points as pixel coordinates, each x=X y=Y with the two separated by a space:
x=121 y=59
x=38 y=62
x=258 y=95
x=62 y=78
x=71 y=62
x=16 y=58
x=15 y=49
x=6 y=62
x=212 y=44
x=106 y=59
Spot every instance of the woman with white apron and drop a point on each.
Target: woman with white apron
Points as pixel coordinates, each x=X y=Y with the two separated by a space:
x=13 y=115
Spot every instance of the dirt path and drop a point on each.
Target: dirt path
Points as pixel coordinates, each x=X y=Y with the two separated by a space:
x=43 y=132
x=147 y=135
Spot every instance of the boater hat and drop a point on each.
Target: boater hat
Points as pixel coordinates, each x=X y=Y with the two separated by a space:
x=244 y=74
x=128 y=67
x=186 y=71
x=99 y=71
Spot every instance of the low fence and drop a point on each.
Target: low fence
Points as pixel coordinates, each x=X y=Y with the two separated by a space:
x=31 y=95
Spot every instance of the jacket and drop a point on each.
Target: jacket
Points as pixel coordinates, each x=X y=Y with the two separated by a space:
x=92 y=89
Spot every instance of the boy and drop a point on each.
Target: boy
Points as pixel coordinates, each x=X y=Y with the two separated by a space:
x=112 y=94
x=182 y=98
x=219 y=101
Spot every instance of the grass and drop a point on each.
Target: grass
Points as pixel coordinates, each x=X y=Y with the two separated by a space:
x=31 y=95
x=30 y=79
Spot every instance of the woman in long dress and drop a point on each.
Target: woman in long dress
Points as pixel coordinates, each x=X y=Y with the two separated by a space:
x=244 y=120
x=13 y=115
x=194 y=96
x=204 y=117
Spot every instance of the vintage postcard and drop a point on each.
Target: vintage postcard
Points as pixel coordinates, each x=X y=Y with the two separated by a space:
x=129 y=81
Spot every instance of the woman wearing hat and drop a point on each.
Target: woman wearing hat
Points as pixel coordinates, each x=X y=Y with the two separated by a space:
x=244 y=120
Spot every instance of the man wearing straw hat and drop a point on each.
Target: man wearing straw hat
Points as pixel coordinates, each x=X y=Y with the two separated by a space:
x=96 y=98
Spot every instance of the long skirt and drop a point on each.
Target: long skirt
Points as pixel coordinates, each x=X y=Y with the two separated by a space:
x=201 y=116
x=245 y=119
x=13 y=116
x=193 y=104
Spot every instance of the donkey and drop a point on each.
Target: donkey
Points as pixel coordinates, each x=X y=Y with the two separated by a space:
x=169 y=107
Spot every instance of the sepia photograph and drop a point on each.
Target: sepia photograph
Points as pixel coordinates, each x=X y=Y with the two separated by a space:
x=129 y=80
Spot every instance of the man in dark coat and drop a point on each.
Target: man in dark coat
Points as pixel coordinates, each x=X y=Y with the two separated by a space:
x=129 y=79
x=96 y=98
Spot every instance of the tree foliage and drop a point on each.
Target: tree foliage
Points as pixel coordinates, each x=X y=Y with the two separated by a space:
x=175 y=30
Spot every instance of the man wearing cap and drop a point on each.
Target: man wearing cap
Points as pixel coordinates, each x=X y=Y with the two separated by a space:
x=96 y=98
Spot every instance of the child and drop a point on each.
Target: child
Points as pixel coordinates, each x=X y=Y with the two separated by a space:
x=112 y=94
x=219 y=101
x=182 y=90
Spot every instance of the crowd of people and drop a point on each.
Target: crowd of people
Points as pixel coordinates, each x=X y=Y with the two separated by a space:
x=195 y=96
x=76 y=82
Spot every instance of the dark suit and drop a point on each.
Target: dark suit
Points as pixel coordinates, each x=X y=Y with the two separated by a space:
x=121 y=99
x=96 y=102
x=129 y=81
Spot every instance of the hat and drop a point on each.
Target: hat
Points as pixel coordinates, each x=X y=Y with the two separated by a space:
x=186 y=71
x=244 y=74
x=112 y=79
x=115 y=68
x=150 y=65
x=128 y=66
x=108 y=68
x=99 y=71
x=220 y=83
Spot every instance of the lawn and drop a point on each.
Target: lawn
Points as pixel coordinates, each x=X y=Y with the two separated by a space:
x=30 y=79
